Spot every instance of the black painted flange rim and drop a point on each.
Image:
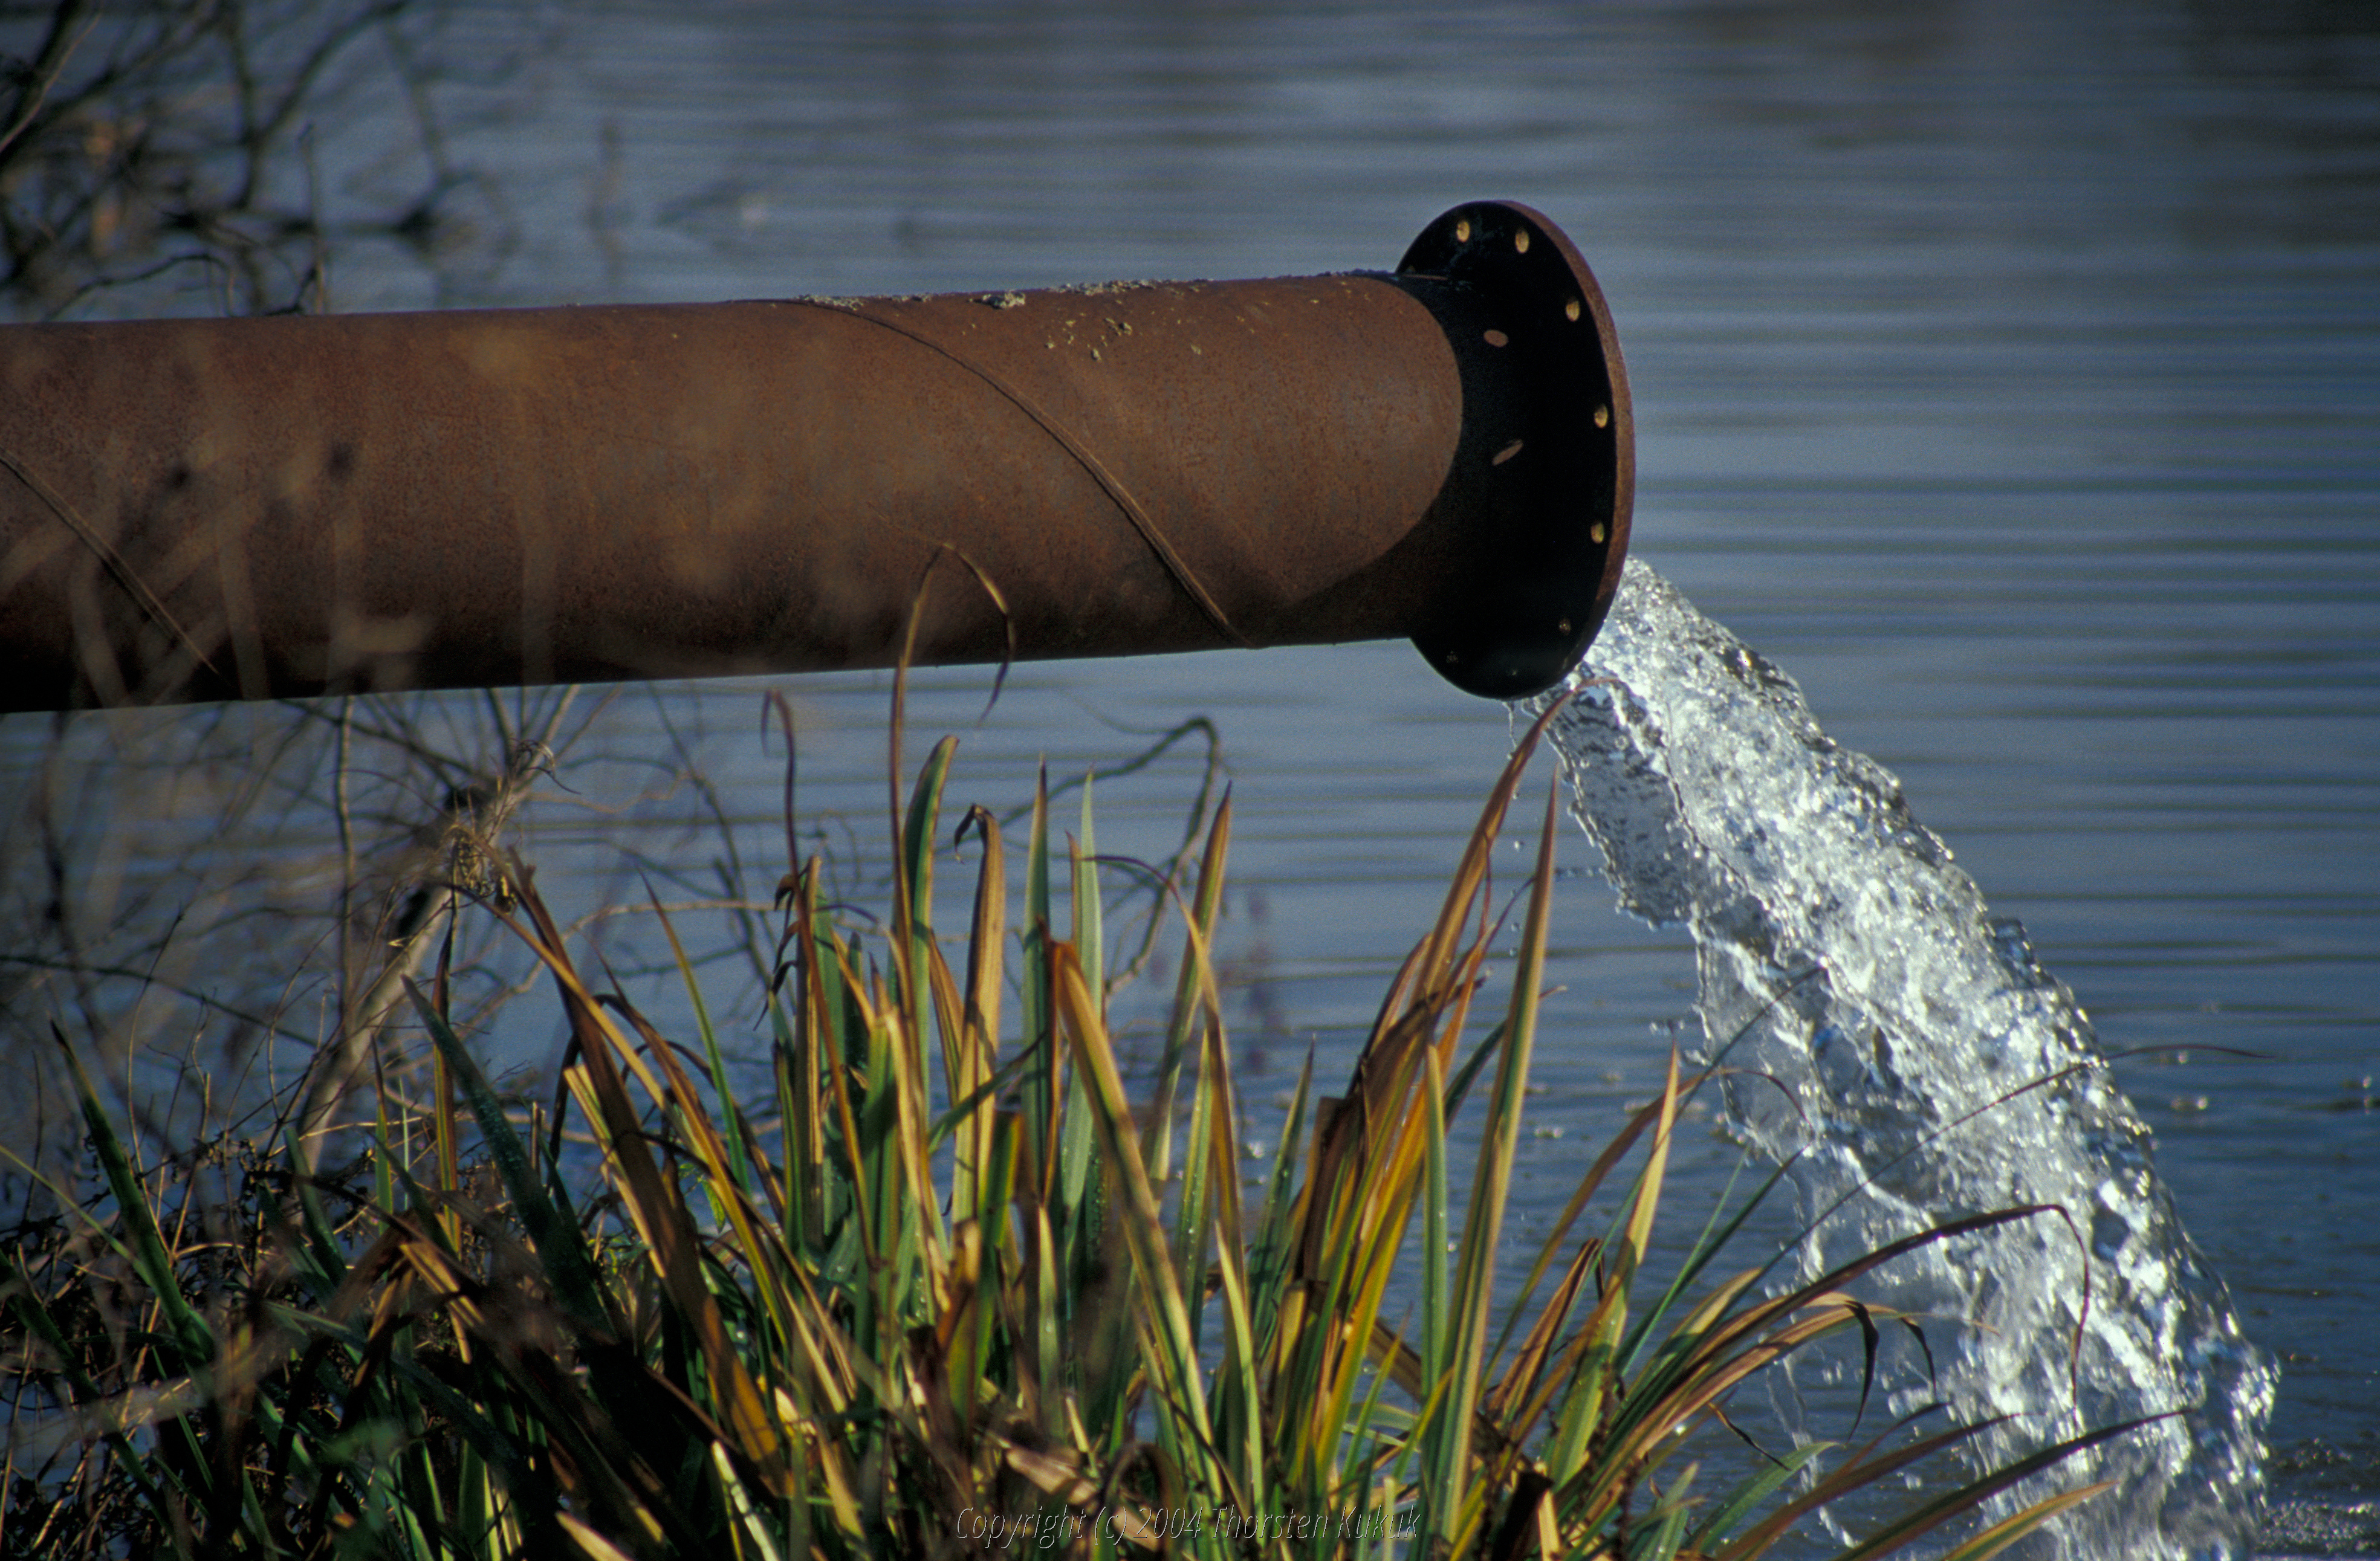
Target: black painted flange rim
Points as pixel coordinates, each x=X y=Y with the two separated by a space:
x=1547 y=413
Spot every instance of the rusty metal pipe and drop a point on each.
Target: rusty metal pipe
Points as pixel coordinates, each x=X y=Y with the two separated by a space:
x=261 y=508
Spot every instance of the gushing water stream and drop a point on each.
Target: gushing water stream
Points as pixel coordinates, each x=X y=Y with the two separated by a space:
x=1844 y=958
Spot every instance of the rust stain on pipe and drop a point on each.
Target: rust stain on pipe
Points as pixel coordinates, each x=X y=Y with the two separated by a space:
x=261 y=508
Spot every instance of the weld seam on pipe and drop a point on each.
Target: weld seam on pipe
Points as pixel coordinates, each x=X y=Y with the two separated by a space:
x=1142 y=521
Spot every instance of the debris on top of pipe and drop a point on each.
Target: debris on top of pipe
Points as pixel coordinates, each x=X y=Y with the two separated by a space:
x=265 y=508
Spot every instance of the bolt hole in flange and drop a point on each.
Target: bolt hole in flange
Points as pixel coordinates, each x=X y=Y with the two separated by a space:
x=1547 y=455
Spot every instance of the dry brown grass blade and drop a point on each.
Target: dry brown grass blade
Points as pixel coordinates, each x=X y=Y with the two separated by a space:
x=1733 y=1334
x=1165 y=1321
x=1613 y=1153
x=1525 y=1380
x=1438 y=966
x=1471 y=872
x=1863 y=1468
x=978 y=1055
x=1526 y=1376
x=659 y=1213
x=1673 y=1414
x=1428 y=1003
x=1197 y=1001
x=2009 y=1530
x=813 y=1036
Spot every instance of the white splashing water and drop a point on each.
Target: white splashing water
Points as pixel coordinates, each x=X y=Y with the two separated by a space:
x=1842 y=954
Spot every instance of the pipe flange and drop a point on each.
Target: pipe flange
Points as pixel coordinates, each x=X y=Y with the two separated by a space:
x=1546 y=466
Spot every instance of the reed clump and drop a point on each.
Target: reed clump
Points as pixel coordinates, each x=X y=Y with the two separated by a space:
x=948 y=1285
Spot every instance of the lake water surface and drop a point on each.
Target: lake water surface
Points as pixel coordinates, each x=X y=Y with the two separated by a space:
x=2009 y=373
